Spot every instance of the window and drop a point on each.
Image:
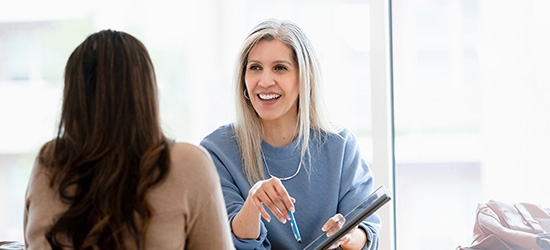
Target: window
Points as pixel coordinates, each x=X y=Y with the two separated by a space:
x=471 y=123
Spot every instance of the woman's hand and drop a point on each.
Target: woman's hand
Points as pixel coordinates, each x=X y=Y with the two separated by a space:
x=274 y=196
x=332 y=226
x=354 y=239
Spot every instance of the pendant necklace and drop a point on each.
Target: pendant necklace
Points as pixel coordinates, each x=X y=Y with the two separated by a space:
x=285 y=178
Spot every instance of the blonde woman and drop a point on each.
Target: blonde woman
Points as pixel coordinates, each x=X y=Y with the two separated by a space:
x=282 y=157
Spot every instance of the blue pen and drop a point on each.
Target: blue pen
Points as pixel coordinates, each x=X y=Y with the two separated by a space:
x=294 y=227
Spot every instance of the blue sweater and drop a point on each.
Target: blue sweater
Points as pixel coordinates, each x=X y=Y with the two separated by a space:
x=339 y=179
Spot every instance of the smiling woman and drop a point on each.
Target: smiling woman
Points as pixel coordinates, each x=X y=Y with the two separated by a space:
x=193 y=48
x=271 y=80
x=281 y=124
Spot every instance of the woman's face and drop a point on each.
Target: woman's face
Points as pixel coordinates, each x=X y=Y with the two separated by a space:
x=271 y=78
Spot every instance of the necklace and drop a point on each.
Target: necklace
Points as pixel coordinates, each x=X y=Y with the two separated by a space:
x=285 y=178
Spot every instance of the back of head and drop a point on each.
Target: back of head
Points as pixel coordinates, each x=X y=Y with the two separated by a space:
x=110 y=148
x=110 y=92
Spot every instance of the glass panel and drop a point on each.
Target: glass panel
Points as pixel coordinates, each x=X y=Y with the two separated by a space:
x=471 y=99
x=193 y=47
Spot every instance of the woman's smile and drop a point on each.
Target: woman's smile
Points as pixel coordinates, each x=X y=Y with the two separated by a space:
x=272 y=81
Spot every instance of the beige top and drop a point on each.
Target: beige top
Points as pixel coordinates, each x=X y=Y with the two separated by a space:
x=189 y=210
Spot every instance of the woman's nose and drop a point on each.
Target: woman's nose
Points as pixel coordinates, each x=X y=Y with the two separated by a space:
x=266 y=79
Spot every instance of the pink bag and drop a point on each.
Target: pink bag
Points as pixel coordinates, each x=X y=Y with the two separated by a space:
x=514 y=226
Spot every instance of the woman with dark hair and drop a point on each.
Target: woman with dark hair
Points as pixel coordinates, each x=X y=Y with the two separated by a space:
x=111 y=179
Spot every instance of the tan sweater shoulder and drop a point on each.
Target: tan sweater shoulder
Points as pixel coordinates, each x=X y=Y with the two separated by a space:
x=190 y=196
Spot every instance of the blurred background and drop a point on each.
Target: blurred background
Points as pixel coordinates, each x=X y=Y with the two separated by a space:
x=471 y=91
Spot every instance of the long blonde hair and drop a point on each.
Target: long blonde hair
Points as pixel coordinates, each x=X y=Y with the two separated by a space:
x=311 y=115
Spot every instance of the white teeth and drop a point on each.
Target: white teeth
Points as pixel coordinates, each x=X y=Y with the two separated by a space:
x=269 y=97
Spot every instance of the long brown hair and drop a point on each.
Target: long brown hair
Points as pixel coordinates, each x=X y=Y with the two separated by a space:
x=110 y=148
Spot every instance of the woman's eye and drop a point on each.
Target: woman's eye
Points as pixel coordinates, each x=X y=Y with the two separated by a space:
x=280 y=67
x=254 y=67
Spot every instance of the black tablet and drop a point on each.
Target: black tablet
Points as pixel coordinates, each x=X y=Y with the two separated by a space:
x=365 y=209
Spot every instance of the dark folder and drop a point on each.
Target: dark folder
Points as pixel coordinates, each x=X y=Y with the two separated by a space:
x=365 y=209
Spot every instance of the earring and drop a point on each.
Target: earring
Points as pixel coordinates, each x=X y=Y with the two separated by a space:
x=245 y=93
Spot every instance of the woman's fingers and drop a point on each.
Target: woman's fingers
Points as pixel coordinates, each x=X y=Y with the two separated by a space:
x=273 y=195
x=277 y=208
x=333 y=224
x=258 y=204
x=284 y=201
x=342 y=241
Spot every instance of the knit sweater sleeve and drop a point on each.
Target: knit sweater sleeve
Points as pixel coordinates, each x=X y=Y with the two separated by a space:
x=225 y=153
x=360 y=183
